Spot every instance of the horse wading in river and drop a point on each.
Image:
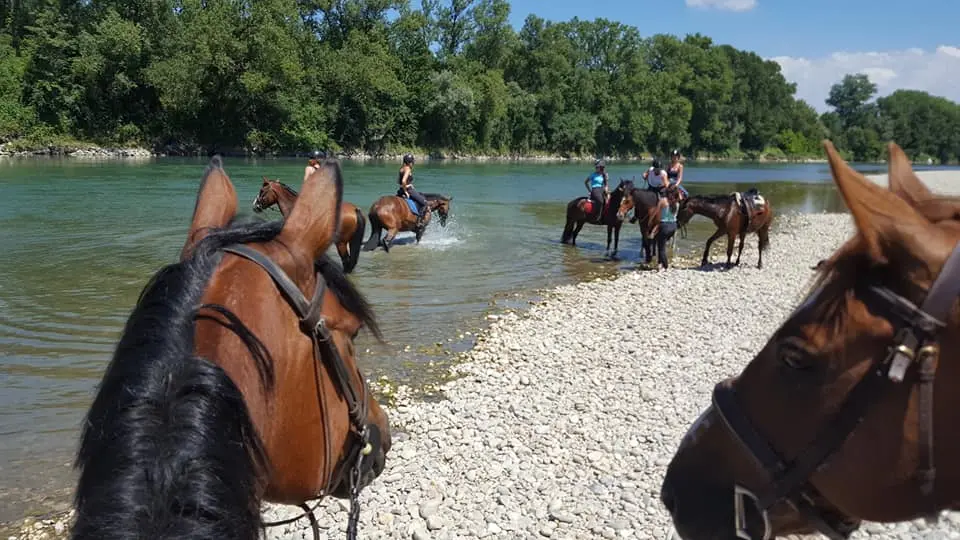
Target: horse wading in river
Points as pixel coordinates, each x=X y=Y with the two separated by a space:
x=737 y=214
x=645 y=204
x=848 y=413
x=393 y=214
x=579 y=209
x=352 y=223
x=234 y=381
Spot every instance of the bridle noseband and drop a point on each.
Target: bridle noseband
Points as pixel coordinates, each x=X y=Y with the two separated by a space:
x=915 y=341
x=367 y=435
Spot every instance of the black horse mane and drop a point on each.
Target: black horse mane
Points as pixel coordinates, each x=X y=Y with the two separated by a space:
x=168 y=449
x=435 y=197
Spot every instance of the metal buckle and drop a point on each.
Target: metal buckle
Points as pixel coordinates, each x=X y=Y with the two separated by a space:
x=740 y=515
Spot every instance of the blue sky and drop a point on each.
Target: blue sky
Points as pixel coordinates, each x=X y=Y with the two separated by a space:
x=913 y=44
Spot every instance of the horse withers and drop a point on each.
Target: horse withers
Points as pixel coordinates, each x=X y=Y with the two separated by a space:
x=836 y=420
x=396 y=214
x=735 y=215
x=234 y=380
x=352 y=223
x=581 y=210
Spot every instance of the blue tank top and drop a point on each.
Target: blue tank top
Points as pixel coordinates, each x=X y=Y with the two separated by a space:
x=667 y=215
x=596 y=180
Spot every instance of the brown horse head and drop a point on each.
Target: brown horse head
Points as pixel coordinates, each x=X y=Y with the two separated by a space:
x=440 y=204
x=217 y=396
x=626 y=203
x=833 y=421
x=274 y=192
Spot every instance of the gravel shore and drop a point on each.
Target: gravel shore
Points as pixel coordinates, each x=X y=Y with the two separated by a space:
x=562 y=420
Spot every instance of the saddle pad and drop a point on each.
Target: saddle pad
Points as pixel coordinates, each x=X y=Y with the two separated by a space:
x=413 y=205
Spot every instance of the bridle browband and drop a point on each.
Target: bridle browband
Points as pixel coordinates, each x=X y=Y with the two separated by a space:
x=367 y=435
x=915 y=341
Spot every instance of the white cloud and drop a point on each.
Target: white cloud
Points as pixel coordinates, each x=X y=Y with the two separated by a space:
x=936 y=72
x=728 y=5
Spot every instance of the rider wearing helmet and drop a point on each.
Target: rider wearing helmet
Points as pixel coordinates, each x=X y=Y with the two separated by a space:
x=675 y=173
x=405 y=179
x=315 y=157
x=656 y=177
x=596 y=185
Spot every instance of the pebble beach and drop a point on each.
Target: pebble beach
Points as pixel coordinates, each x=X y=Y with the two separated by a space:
x=561 y=421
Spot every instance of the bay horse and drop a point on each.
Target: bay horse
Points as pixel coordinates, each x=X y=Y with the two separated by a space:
x=580 y=209
x=352 y=223
x=730 y=219
x=833 y=421
x=645 y=204
x=234 y=380
x=393 y=214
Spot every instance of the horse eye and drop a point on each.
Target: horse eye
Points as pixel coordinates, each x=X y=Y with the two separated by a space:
x=795 y=353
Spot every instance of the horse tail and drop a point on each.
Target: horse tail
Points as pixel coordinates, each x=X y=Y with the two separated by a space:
x=375 y=230
x=356 y=242
x=168 y=446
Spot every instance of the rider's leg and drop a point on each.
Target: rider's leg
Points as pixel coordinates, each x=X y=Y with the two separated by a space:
x=596 y=195
x=421 y=201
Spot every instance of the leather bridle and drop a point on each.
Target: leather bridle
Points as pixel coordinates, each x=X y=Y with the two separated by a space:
x=366 y=435
x=915 y=342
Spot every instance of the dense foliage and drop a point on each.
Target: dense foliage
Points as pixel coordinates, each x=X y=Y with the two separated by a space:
x=381 y=76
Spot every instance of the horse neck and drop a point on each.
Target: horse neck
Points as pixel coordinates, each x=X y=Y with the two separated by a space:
x=285 y=201
x=710 y=209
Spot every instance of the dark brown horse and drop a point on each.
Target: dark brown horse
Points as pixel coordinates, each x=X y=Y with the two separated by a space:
x=391 y=213
x=234 y=380
x=581 y=209
x=732 y=220
x=645 y=204
x=352 y=223
x=847 y=413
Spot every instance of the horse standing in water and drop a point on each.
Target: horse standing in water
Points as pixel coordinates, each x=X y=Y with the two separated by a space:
x=397 y=214
x=234 y=381
x=352 y=223
x=645 y=204
x=833 y=421
x=734 y=215
x=581 y=209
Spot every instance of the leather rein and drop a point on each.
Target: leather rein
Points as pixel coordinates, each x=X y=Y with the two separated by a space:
x=915 y=342
x=367 y=437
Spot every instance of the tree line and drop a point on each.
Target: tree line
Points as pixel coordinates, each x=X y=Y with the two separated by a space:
x=383 y=76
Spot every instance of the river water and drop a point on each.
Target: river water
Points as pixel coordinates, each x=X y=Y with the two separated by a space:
x=80 y=239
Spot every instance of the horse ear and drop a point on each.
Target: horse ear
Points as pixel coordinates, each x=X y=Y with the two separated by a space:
x=216 y=205
x=265 y=180
x=881 y=216
x=315 y=219
x=902 y=180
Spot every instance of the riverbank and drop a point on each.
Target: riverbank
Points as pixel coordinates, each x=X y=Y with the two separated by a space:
x=517 y=449
x=86 y=150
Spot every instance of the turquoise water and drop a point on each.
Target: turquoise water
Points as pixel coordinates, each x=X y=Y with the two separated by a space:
x=80 y=240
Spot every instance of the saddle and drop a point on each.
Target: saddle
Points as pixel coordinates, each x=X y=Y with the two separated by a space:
x=751 y=204
x=588 y=208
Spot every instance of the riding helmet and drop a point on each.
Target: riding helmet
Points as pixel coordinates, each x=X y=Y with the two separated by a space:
x=408 y=159
x=656 y=164
x=599 y=163
x=675 y=153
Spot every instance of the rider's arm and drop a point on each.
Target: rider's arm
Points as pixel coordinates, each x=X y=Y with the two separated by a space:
x=664 y=179
x=405 y=179
x=680 y=175
x=586 y=183
x=606 y=187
